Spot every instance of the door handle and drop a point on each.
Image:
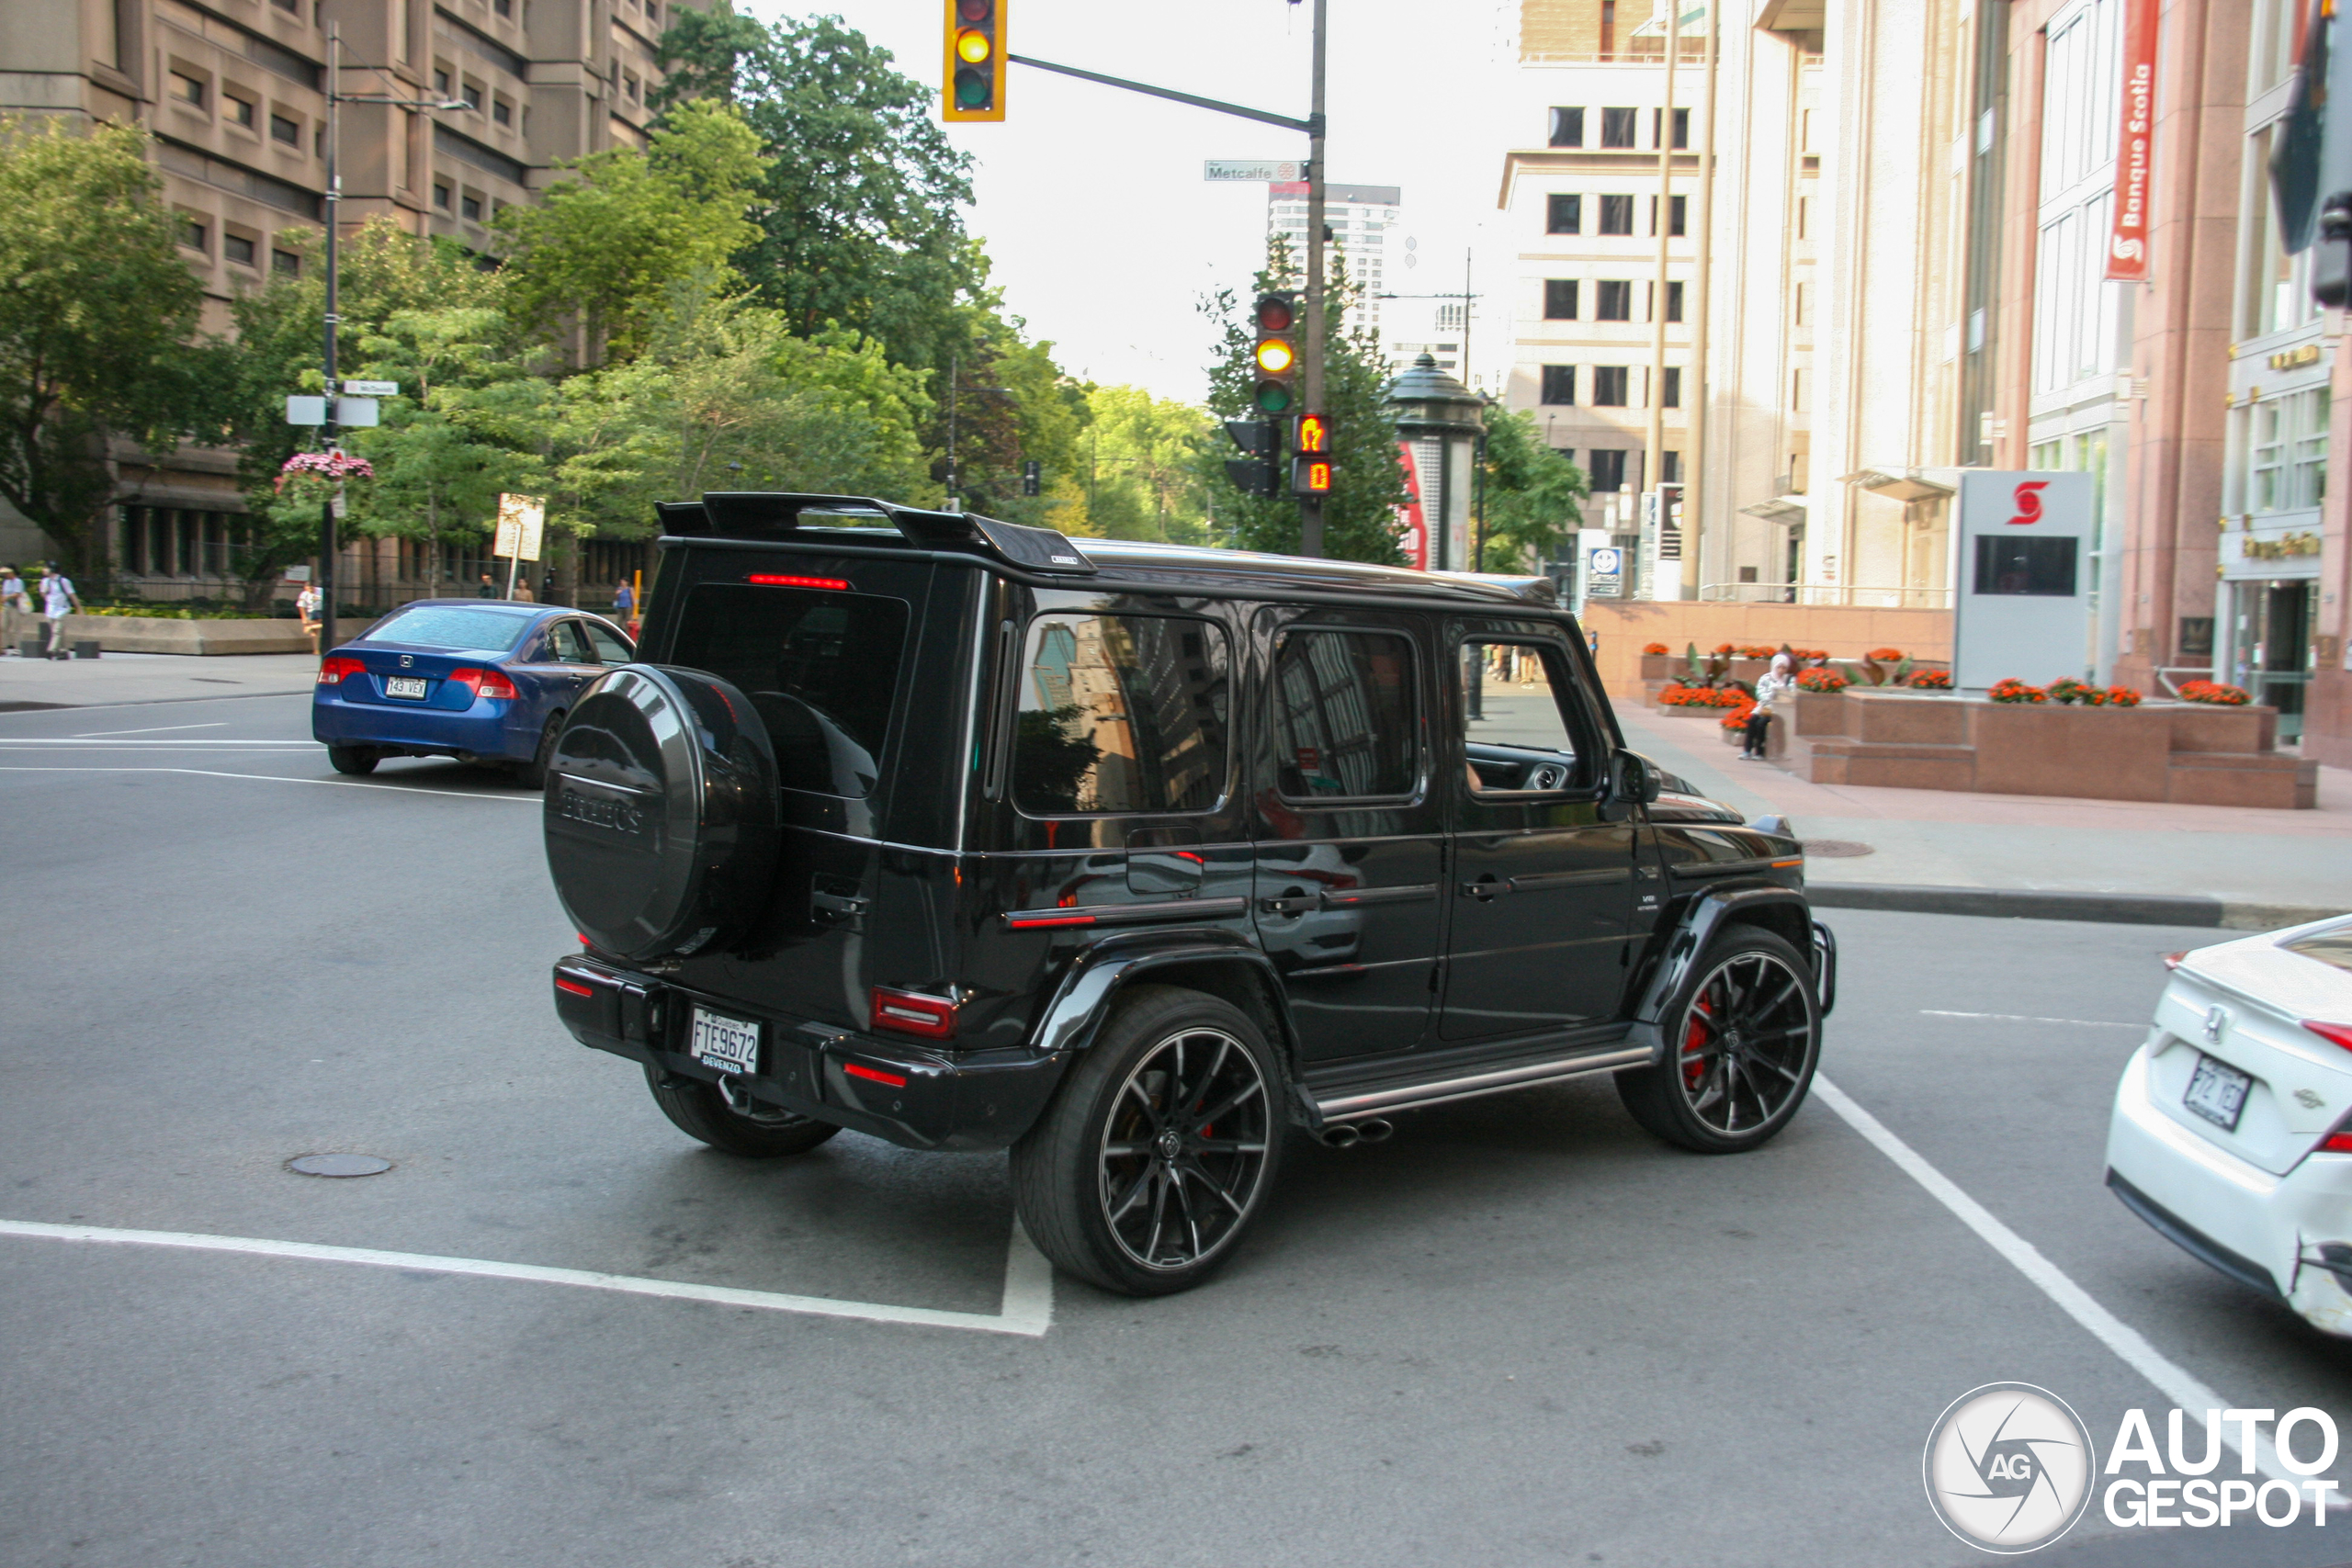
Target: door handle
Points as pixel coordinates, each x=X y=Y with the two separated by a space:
x=1484 y=889
x=1296 y=905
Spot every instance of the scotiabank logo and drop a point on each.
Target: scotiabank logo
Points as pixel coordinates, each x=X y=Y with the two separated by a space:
x=2029 y=503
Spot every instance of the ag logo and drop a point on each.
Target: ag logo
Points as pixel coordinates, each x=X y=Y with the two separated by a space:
x=2008 y=1467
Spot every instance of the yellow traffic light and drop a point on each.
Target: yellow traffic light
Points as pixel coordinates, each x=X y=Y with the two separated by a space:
x=974 y=89
x=1275 y=357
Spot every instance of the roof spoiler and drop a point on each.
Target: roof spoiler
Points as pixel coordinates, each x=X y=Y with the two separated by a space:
x=771 y=514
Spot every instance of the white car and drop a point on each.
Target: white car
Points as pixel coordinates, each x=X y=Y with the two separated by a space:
x=2233 y=1125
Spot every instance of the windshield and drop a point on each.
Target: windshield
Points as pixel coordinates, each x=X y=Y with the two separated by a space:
x=453 y=626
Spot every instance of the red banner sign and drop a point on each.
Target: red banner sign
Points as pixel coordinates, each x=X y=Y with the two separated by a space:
x=1416 y=539
x=2127 y=244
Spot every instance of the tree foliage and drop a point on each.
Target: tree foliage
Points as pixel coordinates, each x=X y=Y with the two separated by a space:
x=98 y=313
x=1532 y=492
x=1367 y=482
x=1143 y=466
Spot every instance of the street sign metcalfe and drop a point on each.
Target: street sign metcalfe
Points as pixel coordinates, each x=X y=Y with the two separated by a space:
x=521 y=519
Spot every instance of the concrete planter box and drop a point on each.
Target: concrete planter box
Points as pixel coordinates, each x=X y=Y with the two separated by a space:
x=1660 y=671
x=2186 y=753
x=158 y=633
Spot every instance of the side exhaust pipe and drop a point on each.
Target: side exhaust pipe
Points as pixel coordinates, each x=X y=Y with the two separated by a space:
x=1348 y=1135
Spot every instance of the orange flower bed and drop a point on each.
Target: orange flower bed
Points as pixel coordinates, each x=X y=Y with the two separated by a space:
x=2213 y=692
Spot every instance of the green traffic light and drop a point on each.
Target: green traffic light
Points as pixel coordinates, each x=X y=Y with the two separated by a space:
x=972 y=89
x=1272 y=396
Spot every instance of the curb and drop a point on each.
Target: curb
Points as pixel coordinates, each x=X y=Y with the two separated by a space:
x=2041 y=904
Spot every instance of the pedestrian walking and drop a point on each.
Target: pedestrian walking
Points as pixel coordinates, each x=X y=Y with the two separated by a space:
x=1775 y=688
x=57 y=601
x=15 y=611
x=488 y=590
x=624 y=601
x=306 y=605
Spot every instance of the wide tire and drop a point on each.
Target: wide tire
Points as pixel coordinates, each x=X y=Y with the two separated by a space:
x=699 y=1110
x=352 y=759
x=1742 y=1043
x=533 y=774
x=1159 y=1150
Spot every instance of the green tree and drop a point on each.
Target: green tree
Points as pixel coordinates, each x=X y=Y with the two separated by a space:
x=1367 y=482
x=467 y=426
x=1532 y=492
x=1143 y=464
x=861 y=196
x=384 y=270
x=97 y=313
x=606 y=246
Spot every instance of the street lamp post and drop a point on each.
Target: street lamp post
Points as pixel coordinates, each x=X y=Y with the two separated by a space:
x=328 y=546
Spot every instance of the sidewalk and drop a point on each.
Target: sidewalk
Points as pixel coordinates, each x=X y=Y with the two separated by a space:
x=116 y=678
x=2254 y=869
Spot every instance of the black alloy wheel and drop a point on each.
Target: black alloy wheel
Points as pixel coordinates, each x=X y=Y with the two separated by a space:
x=352 y=759
x=1160 y=1149
x=1741 y=1048
x=737 y=1125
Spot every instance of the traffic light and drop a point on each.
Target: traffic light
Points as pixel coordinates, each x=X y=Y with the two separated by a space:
x=976 y=46
x=1033 y=477
x=1253 y=475
x=1310 y=467
x=1275 y=357
x=1310 y=476
x=1311 y=434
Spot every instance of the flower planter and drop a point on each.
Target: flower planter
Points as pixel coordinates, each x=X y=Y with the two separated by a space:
x=163 y=634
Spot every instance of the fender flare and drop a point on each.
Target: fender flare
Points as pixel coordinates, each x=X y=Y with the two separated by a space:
x=1707 y=914
x=1091 y=984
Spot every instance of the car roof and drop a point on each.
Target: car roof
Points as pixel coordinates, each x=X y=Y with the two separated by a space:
x=1272 y=574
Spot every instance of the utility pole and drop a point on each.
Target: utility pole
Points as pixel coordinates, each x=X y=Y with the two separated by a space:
x=1310 y=370
x=1654 y=456
x=954 y=479
x=1696 y=395
x=328 y=546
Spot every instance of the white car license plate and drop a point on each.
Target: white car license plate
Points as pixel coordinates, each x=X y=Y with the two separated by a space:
x=728 y=1044
x=404 y=686
x=2217 y=1091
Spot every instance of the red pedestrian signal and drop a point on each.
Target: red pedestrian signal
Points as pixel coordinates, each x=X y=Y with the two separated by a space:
x=1310 y=476
x=1275 y=355
x=1311 y=434
x=976 y=46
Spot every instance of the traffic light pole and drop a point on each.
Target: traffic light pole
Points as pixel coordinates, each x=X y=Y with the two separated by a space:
x=1311 y=366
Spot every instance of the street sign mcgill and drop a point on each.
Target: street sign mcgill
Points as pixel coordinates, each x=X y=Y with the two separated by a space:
x=1277 y=169
x=371 y=389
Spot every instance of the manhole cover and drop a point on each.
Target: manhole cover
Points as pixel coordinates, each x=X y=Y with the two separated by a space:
x=1836 y=849
x=338 y=1165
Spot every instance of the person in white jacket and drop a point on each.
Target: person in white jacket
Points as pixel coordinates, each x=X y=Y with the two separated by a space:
x=1775 y=688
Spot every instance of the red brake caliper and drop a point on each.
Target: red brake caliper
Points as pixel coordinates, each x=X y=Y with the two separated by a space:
x=1694 y=1047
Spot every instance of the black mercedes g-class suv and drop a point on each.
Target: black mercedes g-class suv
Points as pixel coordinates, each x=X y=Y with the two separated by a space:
x=1133 y=857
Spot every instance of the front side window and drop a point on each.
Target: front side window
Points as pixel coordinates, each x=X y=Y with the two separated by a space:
x=566 y=645
x=1517 y=734
x=1121 y=713
x=1346 y=724
x=821 y=667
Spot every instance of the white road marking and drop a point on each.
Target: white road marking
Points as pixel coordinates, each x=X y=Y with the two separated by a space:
x=88 y=743
x=1028 y=1307
x=2173 y=1381
x=2028 y=1018
x=280 y=778
x=151 y=729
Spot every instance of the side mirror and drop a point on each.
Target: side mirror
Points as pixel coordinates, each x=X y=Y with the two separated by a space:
x=1634 y=779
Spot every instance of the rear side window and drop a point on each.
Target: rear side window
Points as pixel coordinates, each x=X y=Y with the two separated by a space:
x=820 y=667
x=1121 y=713
x=453 y=626
x=1345 y=721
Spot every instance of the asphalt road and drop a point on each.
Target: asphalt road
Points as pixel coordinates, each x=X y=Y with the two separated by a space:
x=1520 y=1332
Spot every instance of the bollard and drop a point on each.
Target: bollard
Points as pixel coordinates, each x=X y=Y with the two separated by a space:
x=32 y=648
x=86 y=648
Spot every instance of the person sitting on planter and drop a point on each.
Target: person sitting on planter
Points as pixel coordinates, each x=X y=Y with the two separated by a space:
x=1775 y=685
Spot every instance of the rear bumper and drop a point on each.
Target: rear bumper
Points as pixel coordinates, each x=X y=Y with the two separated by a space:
x=2274 y=1234
x=902 y=1091
x=477 y=731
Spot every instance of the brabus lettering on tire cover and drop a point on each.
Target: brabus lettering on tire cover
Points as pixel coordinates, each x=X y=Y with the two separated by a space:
x=620 y=816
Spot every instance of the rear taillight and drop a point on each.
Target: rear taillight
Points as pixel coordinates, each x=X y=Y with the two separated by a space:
x=2334 y=1034
x=777 y=580
x=332 y=668
x=2171 y=960
x=484 y=683
x=908 y=1013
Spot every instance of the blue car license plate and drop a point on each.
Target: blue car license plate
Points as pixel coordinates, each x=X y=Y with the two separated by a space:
x=730 y=1045
x=2217 y=1091
x=404 y=686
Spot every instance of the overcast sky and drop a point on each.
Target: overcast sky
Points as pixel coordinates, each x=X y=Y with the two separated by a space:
x=1102 y=231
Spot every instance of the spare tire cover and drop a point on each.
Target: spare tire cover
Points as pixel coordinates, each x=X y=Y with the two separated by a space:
x=661 y=813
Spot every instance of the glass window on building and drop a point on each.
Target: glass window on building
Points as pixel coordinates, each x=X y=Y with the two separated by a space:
x=1564 y=214
x=1559 y=384
x=1612 y=301
x=1617 y=215
x=1568 y=127
x=1611 y=384
x=1559 y=299
x=1618 y=126
x=2308 y=484
x=2269 y=467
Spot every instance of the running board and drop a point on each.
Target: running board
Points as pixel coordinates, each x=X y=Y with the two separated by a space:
x=1470 y=1086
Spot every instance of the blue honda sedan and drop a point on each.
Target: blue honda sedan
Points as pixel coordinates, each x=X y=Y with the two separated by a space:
x=479 y=680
